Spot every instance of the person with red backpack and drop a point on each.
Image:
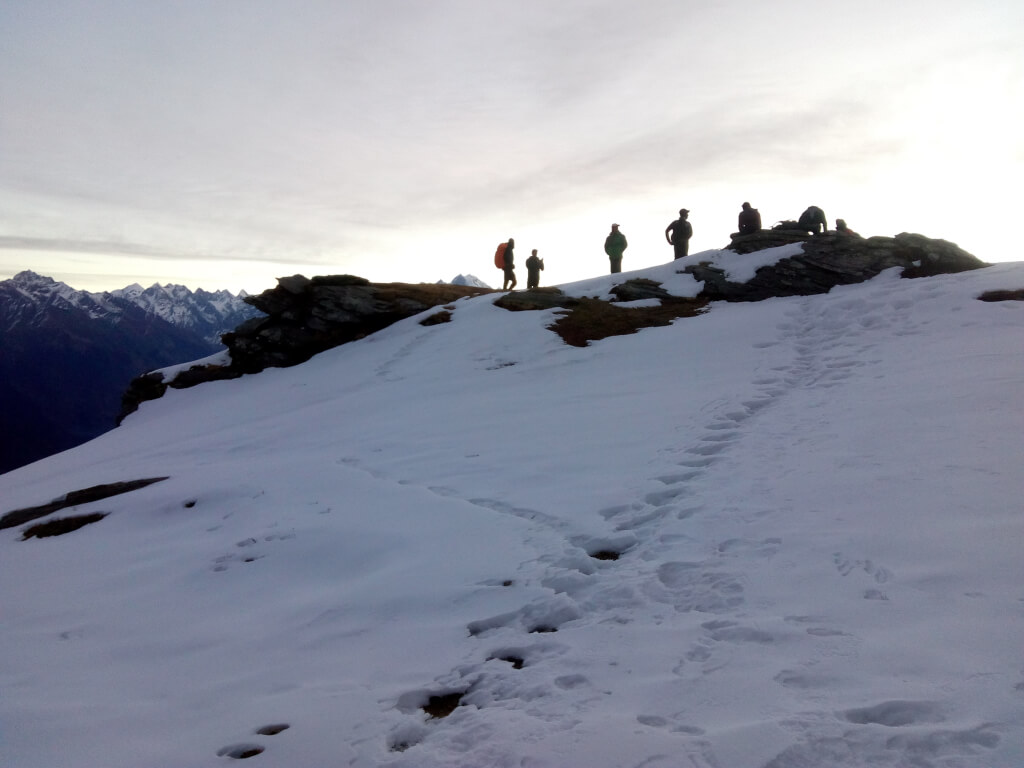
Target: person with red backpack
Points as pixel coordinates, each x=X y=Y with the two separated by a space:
x=504 y=259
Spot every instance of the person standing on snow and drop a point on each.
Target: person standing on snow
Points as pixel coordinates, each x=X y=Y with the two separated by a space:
x=615 y=245
x=681 y=231
x=533 y=270
x=510 y=275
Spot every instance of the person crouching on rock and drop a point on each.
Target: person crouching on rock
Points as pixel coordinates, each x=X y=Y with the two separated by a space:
x=813 y=220
x=510 y=275
x=534 y=266
x=842 y=229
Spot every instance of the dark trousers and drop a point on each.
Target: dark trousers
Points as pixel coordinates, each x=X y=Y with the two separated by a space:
x=616 y=264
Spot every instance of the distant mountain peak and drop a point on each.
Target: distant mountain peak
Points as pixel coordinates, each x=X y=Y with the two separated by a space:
x=471 y=280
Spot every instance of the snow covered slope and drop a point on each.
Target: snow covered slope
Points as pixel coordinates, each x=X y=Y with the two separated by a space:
x=779 y=534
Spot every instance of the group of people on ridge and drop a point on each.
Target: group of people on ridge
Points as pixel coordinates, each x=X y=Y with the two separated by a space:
x=534 y=265
x=678 y=235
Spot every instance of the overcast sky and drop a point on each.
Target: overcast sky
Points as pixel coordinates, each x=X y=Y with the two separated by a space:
x=221 y=144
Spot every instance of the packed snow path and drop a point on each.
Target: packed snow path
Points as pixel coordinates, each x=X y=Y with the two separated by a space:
x=780 y=534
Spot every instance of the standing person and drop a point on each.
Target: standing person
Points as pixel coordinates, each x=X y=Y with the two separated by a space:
x=750 y=220
x=510 y=275
x=614 y=245
x=534 y=266
x=681 y=232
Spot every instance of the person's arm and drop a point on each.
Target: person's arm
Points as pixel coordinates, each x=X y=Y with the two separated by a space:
x=667 y=230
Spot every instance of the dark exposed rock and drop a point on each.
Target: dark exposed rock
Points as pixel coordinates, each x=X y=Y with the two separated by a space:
x=832 y=259
x=639 y=289
x=61 y=525
x=1017 y=295
x=766 y=238
x=74 y=498
x=307 y=316
x=534 y=299
x=303 y=317
x=444 y=316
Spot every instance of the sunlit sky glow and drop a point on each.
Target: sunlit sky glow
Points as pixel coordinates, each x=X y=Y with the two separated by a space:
x=221 y=145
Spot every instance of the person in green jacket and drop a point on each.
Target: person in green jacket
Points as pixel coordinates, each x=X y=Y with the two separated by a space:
x=614 y=245
x=534 y=265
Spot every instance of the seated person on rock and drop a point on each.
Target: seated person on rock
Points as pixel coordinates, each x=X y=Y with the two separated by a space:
x=750 y=220
x=842 y=229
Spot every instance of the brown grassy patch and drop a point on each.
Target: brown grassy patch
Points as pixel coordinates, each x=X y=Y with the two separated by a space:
x=593 y=319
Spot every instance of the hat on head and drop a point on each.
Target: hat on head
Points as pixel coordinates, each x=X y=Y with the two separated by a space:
x=683 y=212
x=615 y=225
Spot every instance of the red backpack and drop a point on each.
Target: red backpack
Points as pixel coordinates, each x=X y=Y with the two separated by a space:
x=499 y=256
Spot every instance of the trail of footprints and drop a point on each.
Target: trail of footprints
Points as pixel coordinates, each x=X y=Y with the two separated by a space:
x=247 y=749
x=588 y=585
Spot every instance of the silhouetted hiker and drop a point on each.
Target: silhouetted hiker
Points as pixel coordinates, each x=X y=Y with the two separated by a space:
x=813 y=220
x=510 y=265
x=533 y=270
x=681 y=231
x=614 y=245
x=842 y=229
x=750 y=220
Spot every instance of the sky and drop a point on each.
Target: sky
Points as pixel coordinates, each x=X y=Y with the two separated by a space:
x=222 y=145
x=815 y=503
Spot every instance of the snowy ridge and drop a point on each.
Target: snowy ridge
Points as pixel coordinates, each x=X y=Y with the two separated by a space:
x=780 y=534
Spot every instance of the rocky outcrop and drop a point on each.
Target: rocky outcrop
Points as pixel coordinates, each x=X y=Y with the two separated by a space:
x=831 y=259
x=304 y=317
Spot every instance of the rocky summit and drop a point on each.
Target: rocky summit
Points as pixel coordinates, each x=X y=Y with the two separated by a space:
x=305 y=316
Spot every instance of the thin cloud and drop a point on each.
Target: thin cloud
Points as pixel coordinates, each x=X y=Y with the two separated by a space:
x=62 y=245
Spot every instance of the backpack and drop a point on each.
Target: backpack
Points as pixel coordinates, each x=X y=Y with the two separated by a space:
x=787 y=225
x=499 y=256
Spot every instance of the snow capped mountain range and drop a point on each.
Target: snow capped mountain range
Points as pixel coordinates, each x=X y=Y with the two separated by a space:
x=67 y=356
x=207 y=314
x=778 y=534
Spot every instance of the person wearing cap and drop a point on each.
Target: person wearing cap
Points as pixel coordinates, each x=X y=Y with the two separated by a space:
x=615 y=245
x=678 y=234
x=750 y=220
